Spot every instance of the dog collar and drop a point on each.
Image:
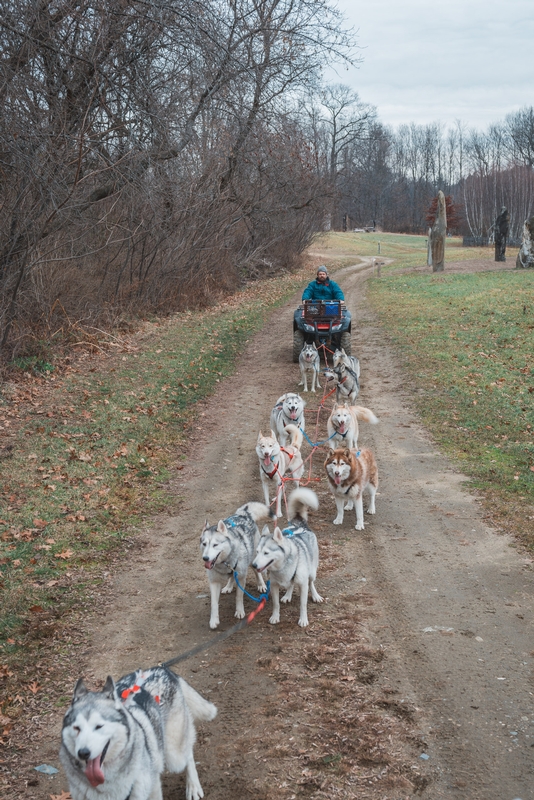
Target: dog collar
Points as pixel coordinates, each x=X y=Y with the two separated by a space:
x=341 y=434
x=230 y=522
x=290 y=532
x=270 y=474
x=358 y=453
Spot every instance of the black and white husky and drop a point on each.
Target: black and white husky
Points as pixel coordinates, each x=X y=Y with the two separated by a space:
x=292 y=556
x=309 y=361
x=116 y=743
x=289 y=410
x=229 y=547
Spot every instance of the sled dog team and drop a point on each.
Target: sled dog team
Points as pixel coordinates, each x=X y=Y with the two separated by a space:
x=116 y=743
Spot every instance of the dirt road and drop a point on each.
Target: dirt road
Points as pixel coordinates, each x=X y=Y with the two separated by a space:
x=414 y=676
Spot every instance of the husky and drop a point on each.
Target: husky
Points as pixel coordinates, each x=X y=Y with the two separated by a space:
x=349 y=473
x=292 y=556
x=116 y=743
x=351 y=363
x=342 y=424
x=276 y=460
x=346 y=381
x=309 y=361
x=229 y=547
x=289 y=410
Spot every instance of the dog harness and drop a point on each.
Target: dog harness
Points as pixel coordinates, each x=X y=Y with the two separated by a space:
x=271 y=474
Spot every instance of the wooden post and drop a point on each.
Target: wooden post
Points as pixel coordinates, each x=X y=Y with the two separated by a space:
x=438 y=234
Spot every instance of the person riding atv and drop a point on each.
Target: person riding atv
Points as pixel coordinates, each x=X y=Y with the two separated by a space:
x=322 y=319
x=322 y=288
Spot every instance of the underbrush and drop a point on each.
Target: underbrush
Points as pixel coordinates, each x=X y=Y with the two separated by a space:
x=468 y=346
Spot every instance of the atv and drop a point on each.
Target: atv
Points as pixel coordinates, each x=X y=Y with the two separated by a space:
x=323 y=322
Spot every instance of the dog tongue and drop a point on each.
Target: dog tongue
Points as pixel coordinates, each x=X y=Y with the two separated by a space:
x=342 y=428
x=293 y=415
x=267 y=460
x=93 y=772
x=337 y=479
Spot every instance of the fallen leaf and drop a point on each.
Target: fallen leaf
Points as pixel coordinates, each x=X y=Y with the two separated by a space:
x=36 y=609
x=40 y=523
x=85 y=457
x=34 y=687
x=65 y=554
x=62 y=796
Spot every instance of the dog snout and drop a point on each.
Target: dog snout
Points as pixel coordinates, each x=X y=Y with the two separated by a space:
x=84 y=754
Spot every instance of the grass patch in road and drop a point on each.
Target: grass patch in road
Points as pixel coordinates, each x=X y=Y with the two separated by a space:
x=91 y=451
x=468 y=343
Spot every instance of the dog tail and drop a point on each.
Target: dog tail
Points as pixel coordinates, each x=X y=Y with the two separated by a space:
x=200 y=708
x=366 y=415
x=300 y=501
x=258 y=511
x=296 y=436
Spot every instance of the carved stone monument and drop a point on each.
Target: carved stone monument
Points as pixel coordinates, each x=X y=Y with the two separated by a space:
x=525 y=257
x=502 y=226
x=438 y=235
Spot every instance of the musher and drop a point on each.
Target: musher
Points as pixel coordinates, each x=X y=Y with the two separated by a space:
x=322 y=288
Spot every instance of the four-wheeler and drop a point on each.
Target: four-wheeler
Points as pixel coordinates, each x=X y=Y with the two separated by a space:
x=325 y=322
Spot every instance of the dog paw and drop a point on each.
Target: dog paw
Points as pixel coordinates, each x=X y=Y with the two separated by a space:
x=275 y=619
x=240 y=614
x=303 y=622
x=193 y=791
x=227 y=589
x=359 y=527
x=371 y=510
x=318 y=598
x=286 y=598
x=338 y=521
x=214 y=623
x=349 y=506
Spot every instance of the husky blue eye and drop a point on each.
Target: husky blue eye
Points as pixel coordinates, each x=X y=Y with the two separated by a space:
x=97 y=727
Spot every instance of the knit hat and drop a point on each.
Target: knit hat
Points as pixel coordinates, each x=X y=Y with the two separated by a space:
x=322 y=268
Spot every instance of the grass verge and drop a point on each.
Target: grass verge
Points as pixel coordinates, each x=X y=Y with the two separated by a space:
x=468 y=345
x=85 y=455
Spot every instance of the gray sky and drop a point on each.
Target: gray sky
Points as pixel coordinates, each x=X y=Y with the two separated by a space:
x=424 y=61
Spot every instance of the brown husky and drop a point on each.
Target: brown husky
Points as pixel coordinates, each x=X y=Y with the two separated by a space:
x=349 y=473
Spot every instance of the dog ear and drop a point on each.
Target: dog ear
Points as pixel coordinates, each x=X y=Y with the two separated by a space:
x=260 y=436
x=273 y=435
x=278 y=536
x=109 y=688
x=347 y=454
x=265 y=530
x=80 y=690
x=221 y=527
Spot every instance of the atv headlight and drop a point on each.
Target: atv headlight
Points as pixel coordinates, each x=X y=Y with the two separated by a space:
x=308 y=327
x=337 y=327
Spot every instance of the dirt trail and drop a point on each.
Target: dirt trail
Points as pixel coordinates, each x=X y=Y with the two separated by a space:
x=451 y=600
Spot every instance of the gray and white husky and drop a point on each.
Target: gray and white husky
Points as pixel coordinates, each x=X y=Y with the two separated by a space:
x=276 y=460
x=292 y=556
x=309 y=361
x=346 y=374
x=289 y=410
x=229 y=547
x=116 y=743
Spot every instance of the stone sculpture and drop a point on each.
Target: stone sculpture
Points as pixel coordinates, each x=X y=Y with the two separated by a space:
x=438 y=235
x=502 y=226
x=525 y=257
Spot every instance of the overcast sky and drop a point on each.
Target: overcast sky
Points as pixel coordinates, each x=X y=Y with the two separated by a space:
x=427 y=61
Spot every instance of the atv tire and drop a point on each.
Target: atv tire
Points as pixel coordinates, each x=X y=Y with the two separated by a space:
x=345 y=342
x=298 y=344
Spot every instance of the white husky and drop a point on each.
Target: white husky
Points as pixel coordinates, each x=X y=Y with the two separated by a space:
x=309 y=361
x=292 y=556
x=342 y=424
x=228 y=548
x=276 y=460
x=289 y=410
x=116 y=743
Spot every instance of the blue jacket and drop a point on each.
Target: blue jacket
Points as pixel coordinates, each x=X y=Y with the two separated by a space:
x=323 y=291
